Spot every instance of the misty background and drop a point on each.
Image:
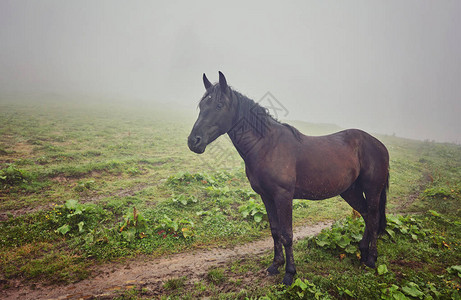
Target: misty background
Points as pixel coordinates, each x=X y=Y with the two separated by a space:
x=390 y=67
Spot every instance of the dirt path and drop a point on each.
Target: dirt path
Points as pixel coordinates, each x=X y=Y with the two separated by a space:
x=149 y=274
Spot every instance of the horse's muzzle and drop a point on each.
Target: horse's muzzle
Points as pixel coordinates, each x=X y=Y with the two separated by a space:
x=196 y=144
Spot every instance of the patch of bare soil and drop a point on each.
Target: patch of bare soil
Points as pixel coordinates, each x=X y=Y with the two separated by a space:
x=4 y=215
x=410 y=264
x=151 y=274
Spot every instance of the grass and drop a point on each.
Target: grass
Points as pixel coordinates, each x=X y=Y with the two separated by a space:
x=84 y=183
x=416 y=262
x=216 y=276
x=421 y=258
x=175 y=283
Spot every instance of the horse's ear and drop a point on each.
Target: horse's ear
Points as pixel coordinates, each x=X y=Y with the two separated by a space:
x=222 y=82
x=206 y=82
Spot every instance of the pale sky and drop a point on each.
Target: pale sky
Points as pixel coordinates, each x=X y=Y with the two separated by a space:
x=382 y=66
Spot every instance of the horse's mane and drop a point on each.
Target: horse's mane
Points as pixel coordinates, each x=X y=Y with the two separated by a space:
x=253 y=116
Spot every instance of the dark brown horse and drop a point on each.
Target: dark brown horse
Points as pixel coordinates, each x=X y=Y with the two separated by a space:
x=282 y=164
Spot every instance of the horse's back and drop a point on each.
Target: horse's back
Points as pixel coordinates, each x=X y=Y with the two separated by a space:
x=350 y=140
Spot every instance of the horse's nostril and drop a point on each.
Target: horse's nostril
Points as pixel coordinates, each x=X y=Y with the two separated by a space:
x=196 y=144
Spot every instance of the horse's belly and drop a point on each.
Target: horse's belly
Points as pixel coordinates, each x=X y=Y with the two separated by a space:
x=322 y=189
x=318 y=194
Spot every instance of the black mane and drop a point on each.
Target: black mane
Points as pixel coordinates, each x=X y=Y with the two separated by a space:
x=252 y=116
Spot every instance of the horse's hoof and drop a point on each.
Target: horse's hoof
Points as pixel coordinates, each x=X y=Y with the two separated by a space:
x=370 y=262
x=288 y=279
x=273 y=270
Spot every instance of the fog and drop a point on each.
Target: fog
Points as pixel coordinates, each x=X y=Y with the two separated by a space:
x=390 y=67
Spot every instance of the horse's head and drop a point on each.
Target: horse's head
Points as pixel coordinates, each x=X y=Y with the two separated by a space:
x=216 y=114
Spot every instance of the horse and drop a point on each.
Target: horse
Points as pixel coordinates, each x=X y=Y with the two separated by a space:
x=283 y=164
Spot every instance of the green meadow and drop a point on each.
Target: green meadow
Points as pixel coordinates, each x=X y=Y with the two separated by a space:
x=90 y=183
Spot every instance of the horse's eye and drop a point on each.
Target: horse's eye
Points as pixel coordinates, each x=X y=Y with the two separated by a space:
x=219 y=106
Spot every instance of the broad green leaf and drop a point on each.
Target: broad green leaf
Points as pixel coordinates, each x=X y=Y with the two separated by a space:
x=80 y=226
x=382 y=269
x=391 y=233
x=399 y=296
x=71 y=204
x=322 y=243
x=343 y=242
x=434 y=213
x=77 y=211
x=350 y=249
x=412 y=289
x=397 y=221
x=175 y=225
x=301 y=284
x=63 y=229
x=454 y=270
x=356 y=236
x=393 y=293
x=258 y=217
x=349 y=293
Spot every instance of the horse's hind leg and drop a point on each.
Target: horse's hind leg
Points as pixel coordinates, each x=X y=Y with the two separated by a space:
x=279 y=260
x=373 y=216
x=354 y=197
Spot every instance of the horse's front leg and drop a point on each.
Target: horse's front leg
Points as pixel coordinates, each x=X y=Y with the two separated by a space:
x=284 y=203
x=279 y=260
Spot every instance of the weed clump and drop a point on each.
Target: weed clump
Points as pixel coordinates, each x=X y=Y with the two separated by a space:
x=175 y=283
x=254 y=211
x=216 y=276
x=75 y=217
x=437 y=192
x=12 y=176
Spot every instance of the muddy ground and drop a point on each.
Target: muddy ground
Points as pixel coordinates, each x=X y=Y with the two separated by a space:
x=149 y=274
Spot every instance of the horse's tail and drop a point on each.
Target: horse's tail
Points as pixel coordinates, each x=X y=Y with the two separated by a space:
x=382 y=207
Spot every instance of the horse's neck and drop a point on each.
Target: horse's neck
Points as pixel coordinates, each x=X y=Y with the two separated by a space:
x=247 y=140
x=247 y=133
